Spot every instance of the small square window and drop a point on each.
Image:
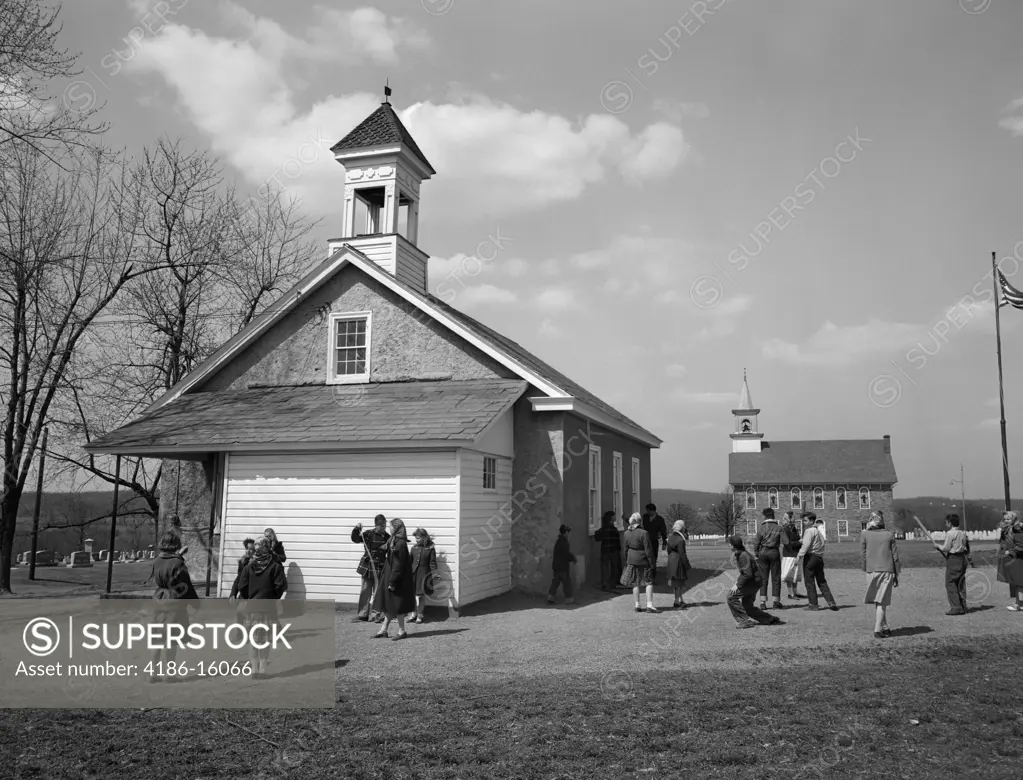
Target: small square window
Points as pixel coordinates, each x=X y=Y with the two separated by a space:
x=349 y=347
x=489 y=473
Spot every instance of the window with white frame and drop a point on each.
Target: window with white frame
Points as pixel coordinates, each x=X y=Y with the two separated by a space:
x=616 y=485
x=751 y=526
x=489 y=472
x=840 y=498
x=796 y=498
x=843 y=527
x=349 y=347
x=864 y=498
x=594 y=488
x=751 y=498
x=772 y=498
x=635 y=485
x=818 y=498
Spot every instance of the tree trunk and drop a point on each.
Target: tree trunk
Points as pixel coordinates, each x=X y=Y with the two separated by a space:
x=8 y=523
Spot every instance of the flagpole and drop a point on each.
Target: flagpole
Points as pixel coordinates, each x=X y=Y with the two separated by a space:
x=1001 y=391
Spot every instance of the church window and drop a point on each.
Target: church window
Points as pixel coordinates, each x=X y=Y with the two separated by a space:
x=751 y=498
x=864 y=498
x=772 y=498
x=818 y=498
x=796 y=498
x=840 y=498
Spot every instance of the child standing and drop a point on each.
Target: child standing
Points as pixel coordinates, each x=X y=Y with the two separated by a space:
x=562 y=574
x=956 y=551
x=424 y=570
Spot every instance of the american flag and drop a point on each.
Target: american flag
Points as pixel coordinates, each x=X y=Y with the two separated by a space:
x=1010 y=295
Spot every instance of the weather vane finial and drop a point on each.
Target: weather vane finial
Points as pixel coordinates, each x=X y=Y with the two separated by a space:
x=743 y=374
x=387 y=90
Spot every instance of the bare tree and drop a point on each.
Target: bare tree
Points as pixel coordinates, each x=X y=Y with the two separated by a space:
x=65 y=254
x=684 y=512
x=725 y=514
x=30 y=60
x=220 y=266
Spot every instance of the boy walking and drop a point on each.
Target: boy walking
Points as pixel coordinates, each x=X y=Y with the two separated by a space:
x=811 y=554
x=562 y=573
x=956 y=550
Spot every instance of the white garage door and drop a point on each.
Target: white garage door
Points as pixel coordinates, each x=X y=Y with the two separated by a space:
x=313 y=500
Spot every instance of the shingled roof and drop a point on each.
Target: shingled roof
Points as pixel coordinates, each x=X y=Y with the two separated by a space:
x=455 y=411
x=863 y=461
x=381 y=128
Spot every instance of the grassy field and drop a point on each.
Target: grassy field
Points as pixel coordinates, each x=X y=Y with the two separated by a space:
x=517 y=689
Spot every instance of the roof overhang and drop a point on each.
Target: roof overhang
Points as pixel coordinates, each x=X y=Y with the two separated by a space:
x=363 y=155
x=568 y=404
x=356 y=446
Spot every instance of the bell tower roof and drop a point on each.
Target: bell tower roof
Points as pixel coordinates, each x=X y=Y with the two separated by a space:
x=382 y=128
x=745 y=399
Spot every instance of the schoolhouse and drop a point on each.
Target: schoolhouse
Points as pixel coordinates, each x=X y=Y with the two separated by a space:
x=840 y=480
x=359 y=392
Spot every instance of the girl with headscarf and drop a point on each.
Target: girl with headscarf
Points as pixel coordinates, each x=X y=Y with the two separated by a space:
x=791 y=541
x=879 y=555
x=424 y=572
x=639 y=562
x=264 y=583
x=397 y=595
x=275 y=546
x=678 y=562
x=1010 y=557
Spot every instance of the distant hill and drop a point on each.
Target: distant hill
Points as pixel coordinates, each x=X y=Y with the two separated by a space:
x=697 y=499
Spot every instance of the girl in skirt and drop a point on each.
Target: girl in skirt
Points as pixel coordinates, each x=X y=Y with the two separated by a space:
x=424 y=572
x=880 y=557
x=678 y=562
x=638 y=562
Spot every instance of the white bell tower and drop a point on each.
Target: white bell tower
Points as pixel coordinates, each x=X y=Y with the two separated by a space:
x=384 y=168
x=746 y=437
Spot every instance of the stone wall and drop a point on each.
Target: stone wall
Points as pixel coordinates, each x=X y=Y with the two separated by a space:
x=191 y=504
x=856 y=518
x=404 y=342
x=537 y=494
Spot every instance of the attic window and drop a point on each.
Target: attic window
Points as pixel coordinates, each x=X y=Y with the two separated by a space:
x=349 y=347
x=369 y=209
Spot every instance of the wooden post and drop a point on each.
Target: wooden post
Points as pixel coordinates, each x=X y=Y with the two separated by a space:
x=213 y=521
x=35 y=512
x=1001 y=391
x=113 y=525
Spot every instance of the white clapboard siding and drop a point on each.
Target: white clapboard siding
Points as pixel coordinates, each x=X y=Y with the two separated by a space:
x=485 y=566
x=313 y=500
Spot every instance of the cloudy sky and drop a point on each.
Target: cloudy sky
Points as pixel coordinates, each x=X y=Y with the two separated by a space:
x=663 y=194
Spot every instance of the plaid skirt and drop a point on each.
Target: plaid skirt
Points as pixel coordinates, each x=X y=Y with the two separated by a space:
x=636 y=576
x=261 y=618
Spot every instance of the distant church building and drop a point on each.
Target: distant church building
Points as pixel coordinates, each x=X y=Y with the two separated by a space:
x=841 y=480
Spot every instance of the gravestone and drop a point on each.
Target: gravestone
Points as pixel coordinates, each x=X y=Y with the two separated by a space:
x=43 y=558
x=80 y=559
x=87 y=546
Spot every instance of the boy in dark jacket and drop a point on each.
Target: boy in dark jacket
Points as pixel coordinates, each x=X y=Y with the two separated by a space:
x=741 y=595
x=374 y=542
x=562 y=574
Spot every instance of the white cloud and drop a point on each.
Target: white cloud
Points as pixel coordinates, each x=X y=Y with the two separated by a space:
x=556 y=299
x=549 y=329
x=244 y=92
x=834 y=346
x=484 y=295
x=675 y=370
x=990 y=422
x=1014 y=124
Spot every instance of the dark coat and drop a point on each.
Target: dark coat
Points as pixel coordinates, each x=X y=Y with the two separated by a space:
x=610 y=541
x=1010 y=569
x=640 y=548
x=397 y=592
x=278 y=552
x=424 y=563
x=657 y=528
x=173 y=588
x=269 y=583
x=562 y=555
x=768 y=538
x=791 y=540
x=678 y=561
x=236 y=588
x=749 y=572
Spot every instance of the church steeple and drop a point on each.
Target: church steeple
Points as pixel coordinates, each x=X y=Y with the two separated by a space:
x=384 y=168
x=746 y=437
